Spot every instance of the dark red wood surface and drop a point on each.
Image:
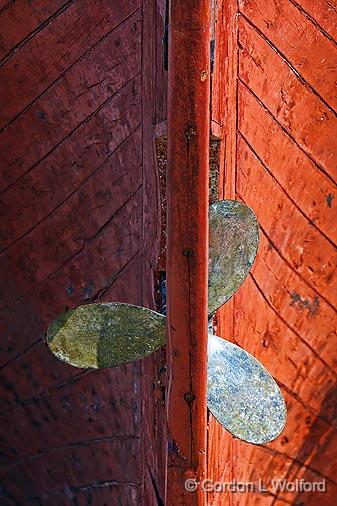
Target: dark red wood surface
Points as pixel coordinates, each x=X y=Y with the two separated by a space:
x=79 y=224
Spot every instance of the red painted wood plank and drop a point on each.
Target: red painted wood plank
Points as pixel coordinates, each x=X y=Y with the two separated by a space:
x=26 y=263
x=4 y=4
x=100 y=494
x=310 y=498
x=126 y=287
x=79 y=465
x=116 y=263
x=288 y=29
x=302 y=114
x=55 y=49
x=296 y=303
x=151 y=213
x=324 y=460
x=256 y=464
x=70 y=280
x=153 y=377
x=152 y=369
x=160 y=76
x=37 y=369
x=219 y=465
x=22 y=18
x=83 y=179
x=303 y=432
x=224 y=93
x=322 y=11
x=187 y=253
x=292 y=310
x=304 y=248
x=263 y=334
x=302 y=443
x=260 y=462
x=76 y=412
x=308 y=188
x=72 y=101
x=280 y=502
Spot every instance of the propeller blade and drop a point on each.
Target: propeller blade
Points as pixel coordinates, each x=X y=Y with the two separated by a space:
x=233 y=244
x=106 y=335
x=242 y=395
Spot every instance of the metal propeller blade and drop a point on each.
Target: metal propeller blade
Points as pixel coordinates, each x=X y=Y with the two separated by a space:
x=242 y=395
x=233 y=243
x=106 y=335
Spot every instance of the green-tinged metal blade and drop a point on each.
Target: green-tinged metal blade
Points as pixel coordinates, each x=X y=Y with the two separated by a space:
x=233 y=243
x=242 y=395
x=106 y=335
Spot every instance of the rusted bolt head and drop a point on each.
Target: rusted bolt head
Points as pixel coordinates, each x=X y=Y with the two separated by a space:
x=189 y=396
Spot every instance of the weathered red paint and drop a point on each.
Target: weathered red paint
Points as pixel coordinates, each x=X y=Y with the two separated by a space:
x=35 y=16
x=187 y=252
x=79 y=223
x=277 y=117
x=82 y=89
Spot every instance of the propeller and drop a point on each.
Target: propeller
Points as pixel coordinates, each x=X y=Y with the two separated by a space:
x=233 y=244
x=106 y=335
x=242 y=395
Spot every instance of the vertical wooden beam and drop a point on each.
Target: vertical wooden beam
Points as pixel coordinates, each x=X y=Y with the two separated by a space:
x=187 y=254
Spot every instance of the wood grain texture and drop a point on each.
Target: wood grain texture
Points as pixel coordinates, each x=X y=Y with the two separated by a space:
x=300 y=244
x=79 y=224
x=41 y=273
x=44 y=59
x=78 y=466
x=74 y=103
x=286 y=162
x=187 y=247
x=4 y=4
x=153 y=377
x=288 y=29
x=301 y=113
x=323 y=12
x=224 y=114
x=47 y=418
x=284 y=168
x=296 y=303
x=22 y=18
